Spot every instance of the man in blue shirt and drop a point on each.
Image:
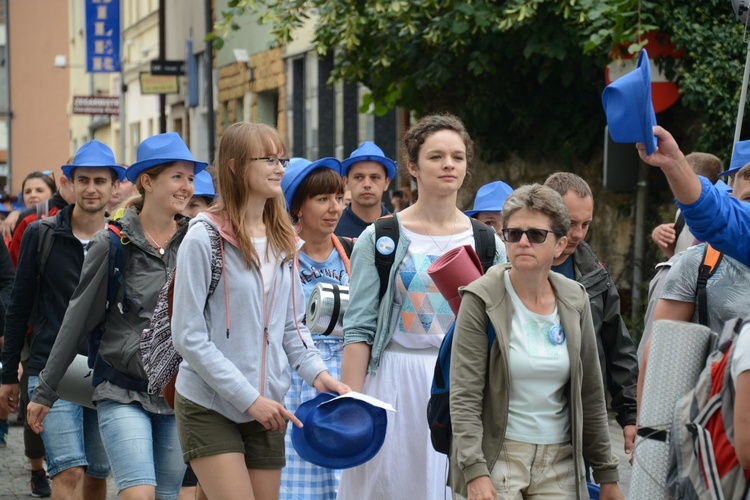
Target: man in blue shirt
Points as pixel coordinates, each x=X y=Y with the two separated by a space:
x=368 y=174
x=712 y=215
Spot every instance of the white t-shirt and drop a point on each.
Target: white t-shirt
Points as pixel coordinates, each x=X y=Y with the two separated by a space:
x=741 y=355
x=539 y=372
x=267 y=263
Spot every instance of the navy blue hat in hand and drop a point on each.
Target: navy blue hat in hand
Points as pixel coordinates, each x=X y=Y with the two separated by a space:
x=94 y=154
x=341 y=434
x=161 y=149
x=628 y=106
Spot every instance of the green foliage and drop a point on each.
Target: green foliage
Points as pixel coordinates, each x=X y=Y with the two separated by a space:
x=525 y=75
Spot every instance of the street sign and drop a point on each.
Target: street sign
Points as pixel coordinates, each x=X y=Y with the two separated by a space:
x=164 y=67
x=96 y=105
x=158 y=84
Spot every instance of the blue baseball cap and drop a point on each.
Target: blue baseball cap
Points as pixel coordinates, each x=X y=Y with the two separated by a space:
x=740 y=158
x=204 y=185
x=341 y=434
x=628 y=106
x=161 y=149
x=490 y=198
x=298 y=169
x=94 y=154
x=369 y=151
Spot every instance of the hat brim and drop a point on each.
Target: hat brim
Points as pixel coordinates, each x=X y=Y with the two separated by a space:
x=317 y=457
x=139 y=167
x=119 y=170
x=648 y=115
x=473 y=213
x=390 y=165
x=328 y=162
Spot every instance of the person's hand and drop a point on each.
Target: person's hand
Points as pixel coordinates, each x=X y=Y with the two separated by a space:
x=665 y=236
x=35 y=414
x=628 y=435
x=481 y=488
x=271 y=414
x=9 y=397
x=667 y=152
x=324 y=382
x=9 y=224
x=610 y=491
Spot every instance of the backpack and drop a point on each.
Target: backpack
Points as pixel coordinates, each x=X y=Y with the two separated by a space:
x=709 y=264
x=386 y=230
x=438 y=407
x=703 y=463
x=160 y=359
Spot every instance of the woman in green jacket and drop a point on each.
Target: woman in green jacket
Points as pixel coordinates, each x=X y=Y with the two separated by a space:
x=524 y=411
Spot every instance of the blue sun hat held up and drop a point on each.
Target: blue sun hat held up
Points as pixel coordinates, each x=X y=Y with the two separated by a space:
x=629 y=108
x=369 y=151
x=340 y=434
x=490 y=198
x=160 y=149
x=94 y=154
x=298 y=169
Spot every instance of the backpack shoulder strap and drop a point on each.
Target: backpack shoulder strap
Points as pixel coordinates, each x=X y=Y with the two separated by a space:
x=709 y=263
x=484 y=243
x=117 y=242
x=385 y=254
x=217 y=256
x=347 y=244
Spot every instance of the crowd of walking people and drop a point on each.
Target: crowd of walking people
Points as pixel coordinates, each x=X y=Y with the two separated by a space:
x=547 y=409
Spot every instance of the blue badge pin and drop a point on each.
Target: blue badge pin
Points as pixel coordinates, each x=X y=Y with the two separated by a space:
x=556 y=335
x=385 y=245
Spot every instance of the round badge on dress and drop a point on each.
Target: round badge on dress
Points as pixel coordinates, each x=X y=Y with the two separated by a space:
x=385 y=245
x=556 y=335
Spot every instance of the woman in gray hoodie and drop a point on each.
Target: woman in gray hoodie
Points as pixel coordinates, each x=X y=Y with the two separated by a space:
x=238 y=341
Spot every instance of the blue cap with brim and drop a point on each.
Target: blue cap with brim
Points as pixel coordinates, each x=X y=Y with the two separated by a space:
x=204 y=185
x=490 y=198
x=298 y=169
x=161 y=149
x=369 y=151
x=340 y=434
x=628 y=106
x=94 y=154
x=740 y=158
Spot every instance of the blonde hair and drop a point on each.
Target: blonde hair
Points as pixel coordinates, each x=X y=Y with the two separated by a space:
x=137 y=200
x=239 y=143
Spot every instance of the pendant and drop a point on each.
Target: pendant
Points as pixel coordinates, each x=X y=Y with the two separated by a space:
x=161 y=251
x=556 y=335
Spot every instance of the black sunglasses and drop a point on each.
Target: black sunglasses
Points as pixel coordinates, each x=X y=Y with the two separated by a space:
x=513 y=234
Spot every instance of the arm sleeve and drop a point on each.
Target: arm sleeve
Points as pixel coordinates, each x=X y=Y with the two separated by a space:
x=7 y=275
x=190 y=329
x=86 y=311
x=681 y=282
x=721 y=220
x=361 y=318
x=14 y=249
x=20 y=305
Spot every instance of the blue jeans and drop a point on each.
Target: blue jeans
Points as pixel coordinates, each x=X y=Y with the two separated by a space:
x=143 y=448
x=71 y=437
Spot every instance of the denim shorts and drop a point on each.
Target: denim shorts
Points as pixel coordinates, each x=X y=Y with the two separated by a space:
x=71 y=437
x=205 y=432
x=143 y=448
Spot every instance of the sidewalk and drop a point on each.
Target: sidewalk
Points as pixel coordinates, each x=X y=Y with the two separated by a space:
x=15 y=472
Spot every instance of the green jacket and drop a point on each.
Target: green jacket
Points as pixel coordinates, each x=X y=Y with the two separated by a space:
x=480 y=387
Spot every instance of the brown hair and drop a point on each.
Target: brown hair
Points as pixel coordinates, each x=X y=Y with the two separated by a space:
x=541 y=199
x=50 y=181
x=562 y=182
x=239 y=143
x=137 y=200
x=320 y=181
x=430 y=124
x=705 y=164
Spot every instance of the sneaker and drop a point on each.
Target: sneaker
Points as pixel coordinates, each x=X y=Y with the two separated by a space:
x=3 y=433
x=40 y=484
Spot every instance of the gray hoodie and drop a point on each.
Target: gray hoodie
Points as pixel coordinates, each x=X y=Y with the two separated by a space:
x=229 y=361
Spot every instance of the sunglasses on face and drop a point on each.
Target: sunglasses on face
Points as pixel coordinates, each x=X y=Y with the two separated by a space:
x=513 y=235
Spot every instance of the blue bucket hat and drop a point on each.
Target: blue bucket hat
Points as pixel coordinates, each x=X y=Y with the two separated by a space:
x=490 y=198
x=369 y=151
x=740 y=158
x=628 y=106
x=298 y=169
x=160 y=149
x=338 y=435
x=204 y=185
x=94 y=154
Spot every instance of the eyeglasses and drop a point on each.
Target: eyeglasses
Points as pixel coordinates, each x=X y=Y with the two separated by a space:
x=513 y=235
x=271 y=161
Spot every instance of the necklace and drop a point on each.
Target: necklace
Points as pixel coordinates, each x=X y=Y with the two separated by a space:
x=441 y=249
x=160 y=248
